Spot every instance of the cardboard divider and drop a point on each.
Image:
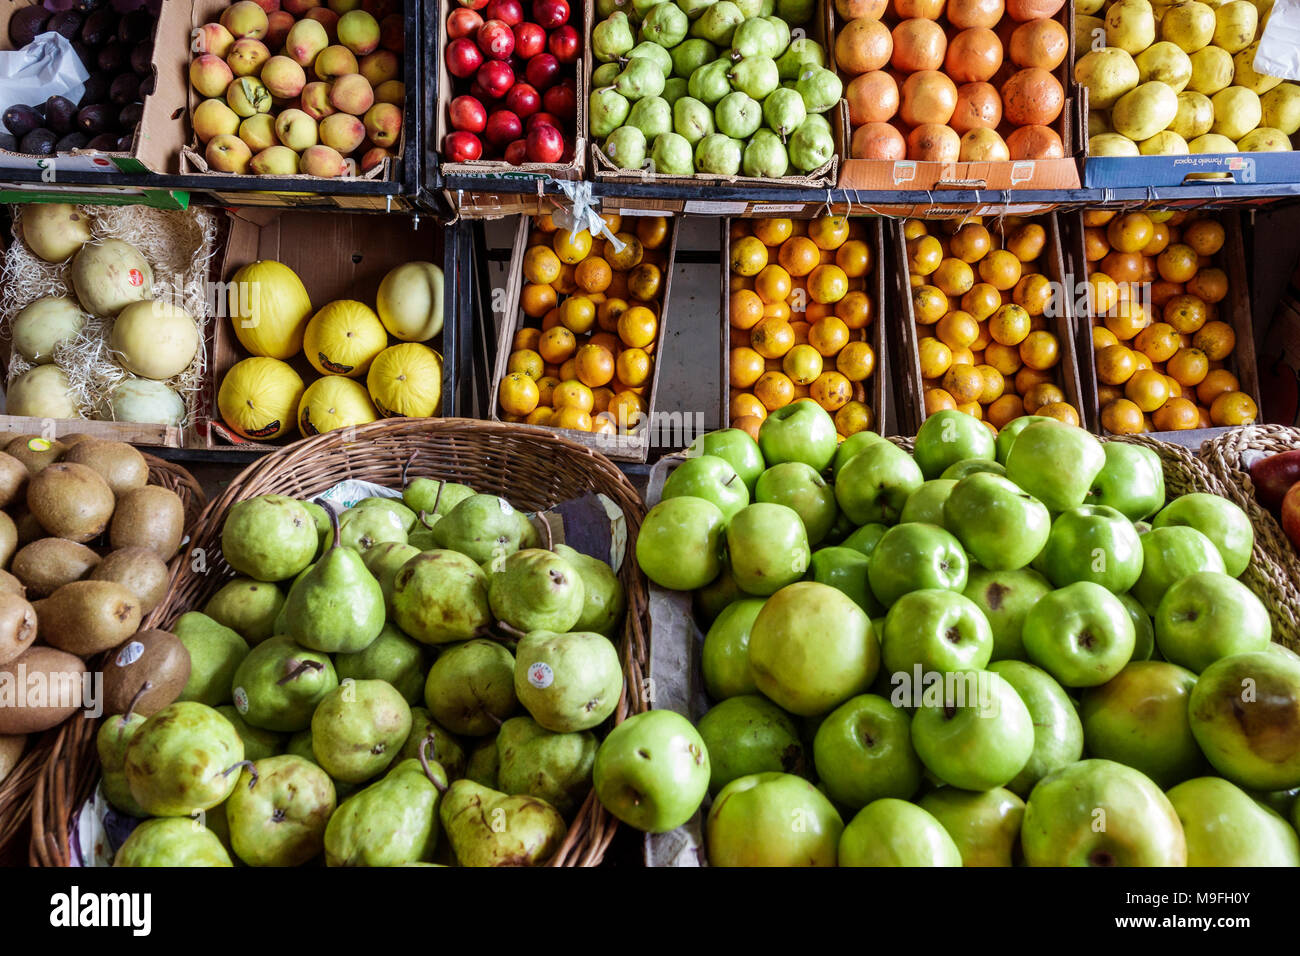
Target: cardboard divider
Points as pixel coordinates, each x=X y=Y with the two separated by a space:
x=881 y=394
x=634 y=447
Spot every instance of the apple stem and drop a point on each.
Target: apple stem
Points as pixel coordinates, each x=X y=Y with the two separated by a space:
x=301 y=668
x=424 y=764
x=727 y=483
x=135 y=699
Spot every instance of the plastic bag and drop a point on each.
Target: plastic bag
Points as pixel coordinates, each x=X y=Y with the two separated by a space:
x=1279 y=46
x=48 y=66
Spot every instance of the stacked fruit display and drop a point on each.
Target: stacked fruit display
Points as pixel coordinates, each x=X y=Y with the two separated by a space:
x=301 y=89
x=517 y=95
x=1161 y=335
x=116 y=47
x=271 y=314
x=418 y=678
x=583 y=359
x=801 y=317
x=714 y=88
x=1180 y=78
x=153 y=342
x=981 y=302
x=914 y=666
x=968 y=81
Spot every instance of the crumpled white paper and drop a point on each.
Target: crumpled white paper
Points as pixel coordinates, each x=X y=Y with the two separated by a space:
x=48 y=66
x=1279 y=46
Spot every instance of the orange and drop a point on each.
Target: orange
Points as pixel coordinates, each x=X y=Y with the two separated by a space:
x=571 y=247
x=1216 y=339
x=1188 y=367
x=1102 y=337
x=773 y=232
x=1040 y=394
x=637 y=327
x=1097 y=217
x=774 y=390
x=827 y=283
x=799 y=255
x=595 y=366
x=1061 y=411
x=1159 y=341
x=1095 y=245
x=856 y=361
x=1027 y=378
x=855 y=309
x=914 y=227
x=746 y=367
x=527 y=338
x=652 y=231
x=1026 y=243
x=518 y=394
x=1205 y=236
x=1127 y=320
x=1130 y=232
x=800 y=328
x=1108 y=393
x=1177 y=414
x=603 y=424
x=1123 y=266
x=1003 y=410
x=1177 y=264
x=963 y=356
x=578 y=314
x=536 y=300
x=601 y=397
x=593 y=274
x=607 y=314
x=1175 y=390
x=958 y=329
x=1210 y=284
x=568 y=371
x=981 y=301
x=746 y=309
x=557 y=345
x=1159 y=241
x=1186 y=313
x=748 y=256
x=936 y=400
x=954 y=276
x=832 y=391
x=1115 y=364
x=644 y=281
x=1216 y=383
x=1147 y=389
x=1121 y=417
x=973 y=409
x=983 y=339
x=772 y=284
x=633 y=367
x=853 y=418
x=573 y=394
x=541 y=265
x=776 y=310
x=1142 y=361
x=1040 y=350
x=566 y=284
x=541 y=415
x=772 y=338
x=971 y=242
x=802 y=364
x=828 y=335
x=1004 y=358
x=855 y=258
x=1009 y=325
x=994 y=384
x=829 y=232
x=546 y=389
x=1033 y=293
x=964 y=383
x=744 y=405
x=1000 y=269
x=924 y=253
x=629 y=257
x=1233 y=408
x=935 y=357
x=573 y=418
x=1103 y=293
x=929 y=304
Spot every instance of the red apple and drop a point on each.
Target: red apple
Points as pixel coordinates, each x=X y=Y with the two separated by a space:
x=561 y=100
x=467 y=113
x=507 y=10
x=541 y=119
x=496 y=40
x=461 y=147
x=503 y=127
x=463 y=22
x=549 y=14
x=496 y=78
x=542 y=70
x=523 y=100
x=392 y=33
x=517 y=152
x=473 y=4
x=564 y=44
x=1273 y=477
x=530 y=40
x=463 y=58
x=1291 y=515
x=545 y=144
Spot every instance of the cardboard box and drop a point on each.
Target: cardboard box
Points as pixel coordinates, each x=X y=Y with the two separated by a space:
x=880 y=393
x=158 y=138
x=634 y=447
x=1002 y=176
x=1062 y=325
x=338 y=256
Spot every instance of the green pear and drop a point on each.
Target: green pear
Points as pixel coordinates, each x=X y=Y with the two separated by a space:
x=179 y=760
x=804 y=50
x=892 y=832
x=754 y=37
x=483 y=763
x=612 y=37
x=172 y=842
x=395 y=505
x=608 y=110
x=796 y=12
x=604 y=601
x=215 y=653
x=488 y=828
x=665 y=25
x=750 y=734
x=984 y=826
x=358 y=727
x=694 y=9
x=639 y=78
x=692 y=119
x=780 y=37
x=537 y=590
x=718 y=23
x=738 y=116
x=480 y=527
x=336 y=605
x=784 y=112
x=434 y=496
x=324 y=526
x=675 y=87
x=724 y=658
x=799 y=826
x=391 y=822
x=568 y=682
x=652 y=771
x=811 y=146
x=1225 y=826
x=626 y=147
x=269 y=538
x=278 y=811
x=443 y=747
x=651 y=115
x=114 y=735
x=819 y=87
x=655 y=52
x=765 y=156
x=363 y=528
x=605 y=74
x=671 y=155
x=391 y=657
x=535 y=762
x=709 y=83
x=258 y=743
x=470 y=687
x=278 y=685
x=299 y=745
x=755 y=75
x=441 y=596
x=247 y=607
x=690 y=55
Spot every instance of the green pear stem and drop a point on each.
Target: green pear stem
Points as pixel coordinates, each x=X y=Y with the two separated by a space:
x=424 y=764
x=438 y=497
x=246 y=764
x=302 y=666
x=550 y=535
x=406 y=467
x=511 y=631
x=424 y=519
x=496 y=721
x=334 y=527
x=144 y=689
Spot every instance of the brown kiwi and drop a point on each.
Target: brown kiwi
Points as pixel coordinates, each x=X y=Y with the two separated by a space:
x=153 y=661
x=11 y=751
x=46 y=565
x=62 y=687
x=11 y=585
x=76 y=438
x=29 y=529
x=13 y=476
x=35 y=452
x=118 y=463
x=17 y=626
x=142 y=572
x=149 y=517
x=71 y=501
x=86 y=617
x=8 y=539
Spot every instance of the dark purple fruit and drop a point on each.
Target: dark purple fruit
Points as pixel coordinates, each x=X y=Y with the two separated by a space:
x=142 y=58
x=39 y=142
x=60 y=114
x=20 y=120
x=26 y=24
x=99 y=27
x=96 y=90
x=125 y=89
x=104 y=141
x=135 y=27
x=125 y=143
x=84 y=53
x=112 y=58
x=131 y=115
x=8 y=142
x=74 y=140
x=66 y=22
x=95 y=119
x=146 y=86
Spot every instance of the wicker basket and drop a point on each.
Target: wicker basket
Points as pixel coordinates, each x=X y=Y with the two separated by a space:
x=533 y=470
x=18 y=791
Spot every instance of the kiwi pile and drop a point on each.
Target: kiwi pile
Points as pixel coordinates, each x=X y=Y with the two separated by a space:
x=84 y=546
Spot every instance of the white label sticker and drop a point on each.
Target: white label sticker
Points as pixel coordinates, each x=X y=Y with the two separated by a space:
x=540 y=675
x=769 y=208
x=714 y=208
x=129 y=654
x=241 y=700
x=505 y=506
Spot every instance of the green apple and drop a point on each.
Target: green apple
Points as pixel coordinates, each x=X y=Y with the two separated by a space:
x=1139 y=718
x=985 y=826
x=1055 y=464
x=892 y=832
x=767 y=546
x=772 y=819
x=926 y=503
x=1092 y=543
x=737 y=448
x=841 y=528
x=711 y=478
x=1080 y=634
x=652 y=771
x=1245 y=714
x=972 y=466
x=709 y=601
x=1000 y=526
x=1144 y=631
x=850 y=447
x=846 y=570
x=950 y=436
x=680 y=544
x=1132 y=481
x=811 y=648
x=799 y=487
x=1005 y=597
x=1058 y=734
x=876 y=483
x=1206 y=616
x=937 y=630
x=724 y=658
x=910 y=557
x=865 y=538
x=1219 y=520
x=749 y=734
x=800 y=431
x=863 y=751
x=975 y=741
x=1225 y=826
x=1009 y=432
x=1168 y=555
x=1101 y=813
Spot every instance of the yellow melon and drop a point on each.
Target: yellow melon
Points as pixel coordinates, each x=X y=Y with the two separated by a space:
x=406 y=380
x=269 y=309
x=343 y=338
x=334 y=402
x=259 y=398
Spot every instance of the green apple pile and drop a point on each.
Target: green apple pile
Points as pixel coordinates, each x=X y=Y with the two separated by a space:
x=964 y=655
x=712 y=86
x=415 y=666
